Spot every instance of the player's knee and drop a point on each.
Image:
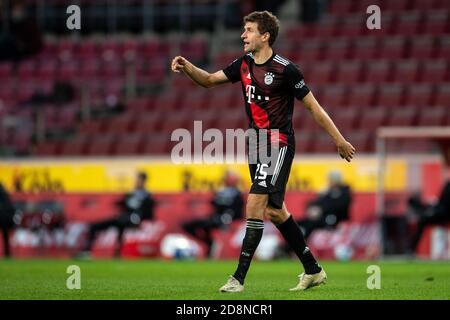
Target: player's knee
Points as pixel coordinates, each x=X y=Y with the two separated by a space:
x=277 y=216
x=274 y=215
x=255 y=207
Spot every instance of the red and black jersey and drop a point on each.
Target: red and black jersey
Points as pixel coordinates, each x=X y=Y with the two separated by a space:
x=269 y=90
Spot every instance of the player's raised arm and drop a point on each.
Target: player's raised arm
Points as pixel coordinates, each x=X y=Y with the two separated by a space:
x=199 y=76
x=345 y=149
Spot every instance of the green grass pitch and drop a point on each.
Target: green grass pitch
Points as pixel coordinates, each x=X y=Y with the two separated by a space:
x=195 y=280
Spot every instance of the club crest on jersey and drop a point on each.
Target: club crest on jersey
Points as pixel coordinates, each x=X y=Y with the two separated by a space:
x=268 y=78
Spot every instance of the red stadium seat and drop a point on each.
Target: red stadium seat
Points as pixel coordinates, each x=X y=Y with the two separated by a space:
x=405 y=71
x=418 y=95
x=377 y=71
x=336 y=50
x=392 y=48
x=361 y=96
x=196 y=99
x=76 y=145
x=310 y=51
x=436 y=23
x=341 y=7
x=395 y=6
x=326 y=28
x=92 y=126
x=47 y=149
x=348 y=72
x=421 y=47
x=322 y=143
x=351 y=26
x=345 y=118
x=148 y=122
x=140 y=104
x=434 y=71
x=401 y=116
x=157 y=144
x=334 y=96
x=432 y=116
x=364 y=48
x=372 y=118
x=320 y=73
x=389 y=96
x=129 y=144
x=101 y=144
x=407 y=24
x=303 y=142
x=442 y=96
x=121 y=124
x=360 y=139
x=167 y=101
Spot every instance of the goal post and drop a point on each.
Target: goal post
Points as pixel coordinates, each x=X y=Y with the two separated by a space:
x=439 y=135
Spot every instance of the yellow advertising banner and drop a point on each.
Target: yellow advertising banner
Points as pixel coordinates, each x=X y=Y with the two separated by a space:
x=107 y=175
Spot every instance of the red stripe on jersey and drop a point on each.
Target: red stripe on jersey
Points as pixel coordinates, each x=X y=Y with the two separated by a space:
x=259 y=115
x=276 y=136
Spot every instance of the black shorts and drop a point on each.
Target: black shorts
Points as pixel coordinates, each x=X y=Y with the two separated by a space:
x=271 y=178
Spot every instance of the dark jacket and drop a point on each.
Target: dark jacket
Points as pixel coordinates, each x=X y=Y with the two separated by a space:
x=6 y=209
x=139 y=202
x=335 y=201
x=228 y=205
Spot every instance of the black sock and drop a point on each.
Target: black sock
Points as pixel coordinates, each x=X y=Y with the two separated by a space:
x=294 y=237
x=253 y=235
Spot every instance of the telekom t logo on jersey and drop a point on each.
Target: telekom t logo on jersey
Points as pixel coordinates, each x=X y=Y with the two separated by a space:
x=250 y=92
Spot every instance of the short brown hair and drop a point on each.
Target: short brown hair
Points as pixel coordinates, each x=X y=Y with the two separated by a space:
x=267 y=22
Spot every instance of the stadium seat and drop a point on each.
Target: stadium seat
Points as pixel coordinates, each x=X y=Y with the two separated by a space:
x=364 y=48
x=334 y=97
x=140 y=104
x=372 y=118
x=336 y=50
x=76 y=146
x=442 y=96
x=326 y=28
x=443 y=47
x=407 y=24
x=432 y=116
x=395 y=6
x=390 y=95
x=101 y=144
x=436 y=23
x=157 y=144
x=128 y=144
x=351 y=26
x=402 y=116
x=92 y=126
x=121 y=124
x=392 y=48
x=418 y=95
x=345 y=118
x=405 y=71
x=348 y=72
x=322 y=143
x=360 y=139
x=361 y=96
x=303 y=141
x=320 y=73
x=310 y=51
x=341 y=7
x=377 y=71
x=47 y=149
x=421 y=47
x=434 y=71
x=147 y=122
